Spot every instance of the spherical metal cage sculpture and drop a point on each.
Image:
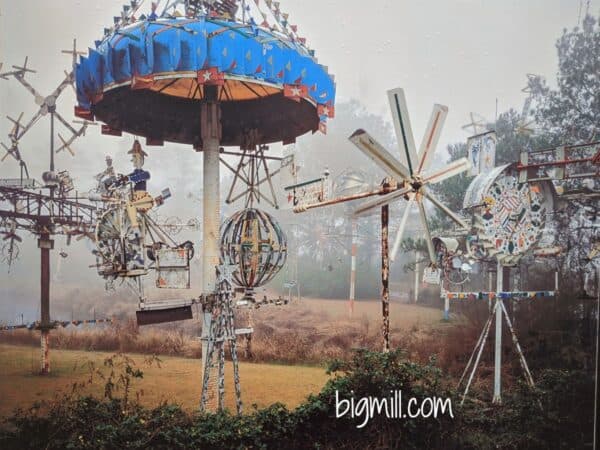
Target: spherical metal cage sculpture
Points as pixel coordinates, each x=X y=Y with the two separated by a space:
x=253 y=241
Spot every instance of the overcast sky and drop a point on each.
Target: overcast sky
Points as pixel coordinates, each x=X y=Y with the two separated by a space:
x=461 y=53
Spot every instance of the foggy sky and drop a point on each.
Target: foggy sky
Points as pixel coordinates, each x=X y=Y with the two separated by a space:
x=461 y=53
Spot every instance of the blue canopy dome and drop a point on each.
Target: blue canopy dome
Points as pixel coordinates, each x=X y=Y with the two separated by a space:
x=149 y=77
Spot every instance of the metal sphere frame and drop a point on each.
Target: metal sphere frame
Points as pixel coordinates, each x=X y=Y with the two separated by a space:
x=253 y=241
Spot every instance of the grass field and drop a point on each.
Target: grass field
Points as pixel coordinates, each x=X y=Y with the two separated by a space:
x=176 y=381
x=307 y=332
x=310 y=332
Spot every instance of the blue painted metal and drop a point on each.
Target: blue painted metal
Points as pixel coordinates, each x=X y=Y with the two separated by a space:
x=180 y=46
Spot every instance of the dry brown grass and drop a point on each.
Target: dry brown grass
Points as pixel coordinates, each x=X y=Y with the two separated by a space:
x=312 y=331
x=176 y=381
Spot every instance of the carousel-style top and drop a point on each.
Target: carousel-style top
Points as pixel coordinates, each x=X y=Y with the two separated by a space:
x=148 y=77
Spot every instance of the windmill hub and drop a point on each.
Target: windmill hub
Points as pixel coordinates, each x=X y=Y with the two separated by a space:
x=50 y=178
x=411 y=174
x=50 y=101
x=416 y=183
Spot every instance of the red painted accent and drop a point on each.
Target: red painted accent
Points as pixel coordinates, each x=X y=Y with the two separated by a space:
x=323 y=127
x=110 y=131
x=83 y=113
x=330 y=111
x=211 y=77
x=154 y=142
x=138 y=82
x=97 y=98
x=295 y=92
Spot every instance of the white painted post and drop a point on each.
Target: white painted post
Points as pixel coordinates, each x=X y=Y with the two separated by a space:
x=490 y=284
x=353 y=267
x=498 y=345
x=446 y=306
x=211 y=136
x=417 y=268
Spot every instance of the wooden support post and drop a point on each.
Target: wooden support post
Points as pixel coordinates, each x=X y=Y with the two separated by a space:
x=45 y=244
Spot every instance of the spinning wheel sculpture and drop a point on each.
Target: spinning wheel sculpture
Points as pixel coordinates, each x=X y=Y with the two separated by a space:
x=127 y=238
x=47 y=106
x=411 y=176
x=207 y=74
x=509 y=217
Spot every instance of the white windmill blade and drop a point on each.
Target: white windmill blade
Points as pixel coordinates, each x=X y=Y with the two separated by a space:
x=454 y=168
x=66 y=145
x=404 y=134
x=425 y=224
x=400 y=233
x=432 y=136
x=9 y=152
x=380 y=201
x=437 y=202
x=376 y=152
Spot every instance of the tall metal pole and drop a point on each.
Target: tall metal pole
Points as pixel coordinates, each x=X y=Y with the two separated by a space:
x=52 y=109
x=45 y=244
x=596 y=392
x=417 y=268
x=211 y=137
x=498 y=344
x=385 y=273
x=353 y=266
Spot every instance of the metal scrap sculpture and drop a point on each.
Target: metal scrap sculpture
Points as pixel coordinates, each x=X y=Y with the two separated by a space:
x=207 y=74
x=407 y=179
x=45 y=209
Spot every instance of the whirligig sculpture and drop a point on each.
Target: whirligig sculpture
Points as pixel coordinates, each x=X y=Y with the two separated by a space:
x=207 y=74
x=253 y=241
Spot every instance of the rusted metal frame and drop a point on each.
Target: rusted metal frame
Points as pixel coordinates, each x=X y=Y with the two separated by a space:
x=563 y=162
x=275 y=266
x=170 y=26
x=192 y=89
x=45 y=244
x=522 y=359
x=385 y=273
x=566 y=147
x=20 y=195
x=157 y=228
x=261 y=182
x=236 y=174
x=64 y=122
x=272 y=158
x=227 y=89
x=247 y=86
x=269 y=178
x=252 y=185
x=27 y=127
x=335 y=201
x=234 y=28
x=168 y=85
x=245 y=180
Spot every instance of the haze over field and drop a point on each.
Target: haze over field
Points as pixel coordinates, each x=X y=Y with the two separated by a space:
x=465 y=54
